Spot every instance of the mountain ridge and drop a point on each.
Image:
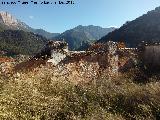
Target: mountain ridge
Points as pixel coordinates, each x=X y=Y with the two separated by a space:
x=83 y=35
x=144 y=28
x=78 y=38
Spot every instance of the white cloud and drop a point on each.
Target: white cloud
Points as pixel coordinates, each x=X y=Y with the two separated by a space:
x=31 y=17
x=113 y=26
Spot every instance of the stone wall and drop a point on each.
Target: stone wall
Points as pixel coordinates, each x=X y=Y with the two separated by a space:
x=57 y=56
x=127 y=59
x=149 y=55
x=81 y=66
x=95 y=63
x=112 y=58
x=54 y=52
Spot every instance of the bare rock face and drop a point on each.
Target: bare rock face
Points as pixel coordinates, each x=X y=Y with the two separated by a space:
x=8 y=19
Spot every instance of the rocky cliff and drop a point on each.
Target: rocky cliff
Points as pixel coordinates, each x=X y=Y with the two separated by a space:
x=8 y=19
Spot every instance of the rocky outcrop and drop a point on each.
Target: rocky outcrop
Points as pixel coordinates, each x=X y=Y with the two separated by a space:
x=8 y=19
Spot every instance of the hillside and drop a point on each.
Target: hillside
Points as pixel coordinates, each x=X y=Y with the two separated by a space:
x=144 y=28
x=18 y=38
x=80 y=36
x=21 y=42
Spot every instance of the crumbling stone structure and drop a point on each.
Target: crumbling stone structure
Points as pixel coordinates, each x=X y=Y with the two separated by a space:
x=103 y=56
x=54 y=51
x=101 y=59
x=112 y=58
x=149 y=55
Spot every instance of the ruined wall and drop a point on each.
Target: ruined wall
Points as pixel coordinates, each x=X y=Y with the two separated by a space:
x=127 y=58
x=149 y=54
x=102 y=59
x=82 y=66
x=57 y=56
x=92 y=64
x=112 y=58
x=54 y=52
x=152 y=55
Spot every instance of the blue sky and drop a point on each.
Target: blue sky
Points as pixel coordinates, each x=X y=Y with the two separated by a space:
x=58 y=18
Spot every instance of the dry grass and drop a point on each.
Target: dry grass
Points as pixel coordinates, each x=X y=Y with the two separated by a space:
x=47 y=95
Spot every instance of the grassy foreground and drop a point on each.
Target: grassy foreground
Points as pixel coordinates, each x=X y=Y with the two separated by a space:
x=44 y=96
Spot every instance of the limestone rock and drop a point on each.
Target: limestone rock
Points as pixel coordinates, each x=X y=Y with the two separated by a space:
x=8 y=19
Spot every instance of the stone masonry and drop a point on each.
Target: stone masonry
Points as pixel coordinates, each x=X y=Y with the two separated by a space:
x=103 y=59
x=80 y=66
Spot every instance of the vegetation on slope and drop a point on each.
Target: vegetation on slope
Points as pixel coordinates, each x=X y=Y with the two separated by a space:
x=44 y=96
x=80 y=37
x=145 y=28
x=21 y=42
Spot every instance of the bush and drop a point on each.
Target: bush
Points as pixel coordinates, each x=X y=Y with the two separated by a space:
x=44 y=96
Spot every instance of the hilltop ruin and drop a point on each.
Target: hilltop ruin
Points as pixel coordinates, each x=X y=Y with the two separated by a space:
x=101 y=58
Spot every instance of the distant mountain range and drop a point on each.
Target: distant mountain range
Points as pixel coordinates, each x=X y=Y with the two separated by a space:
x=144 y=28
x=44 y=33
x=80 y=37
